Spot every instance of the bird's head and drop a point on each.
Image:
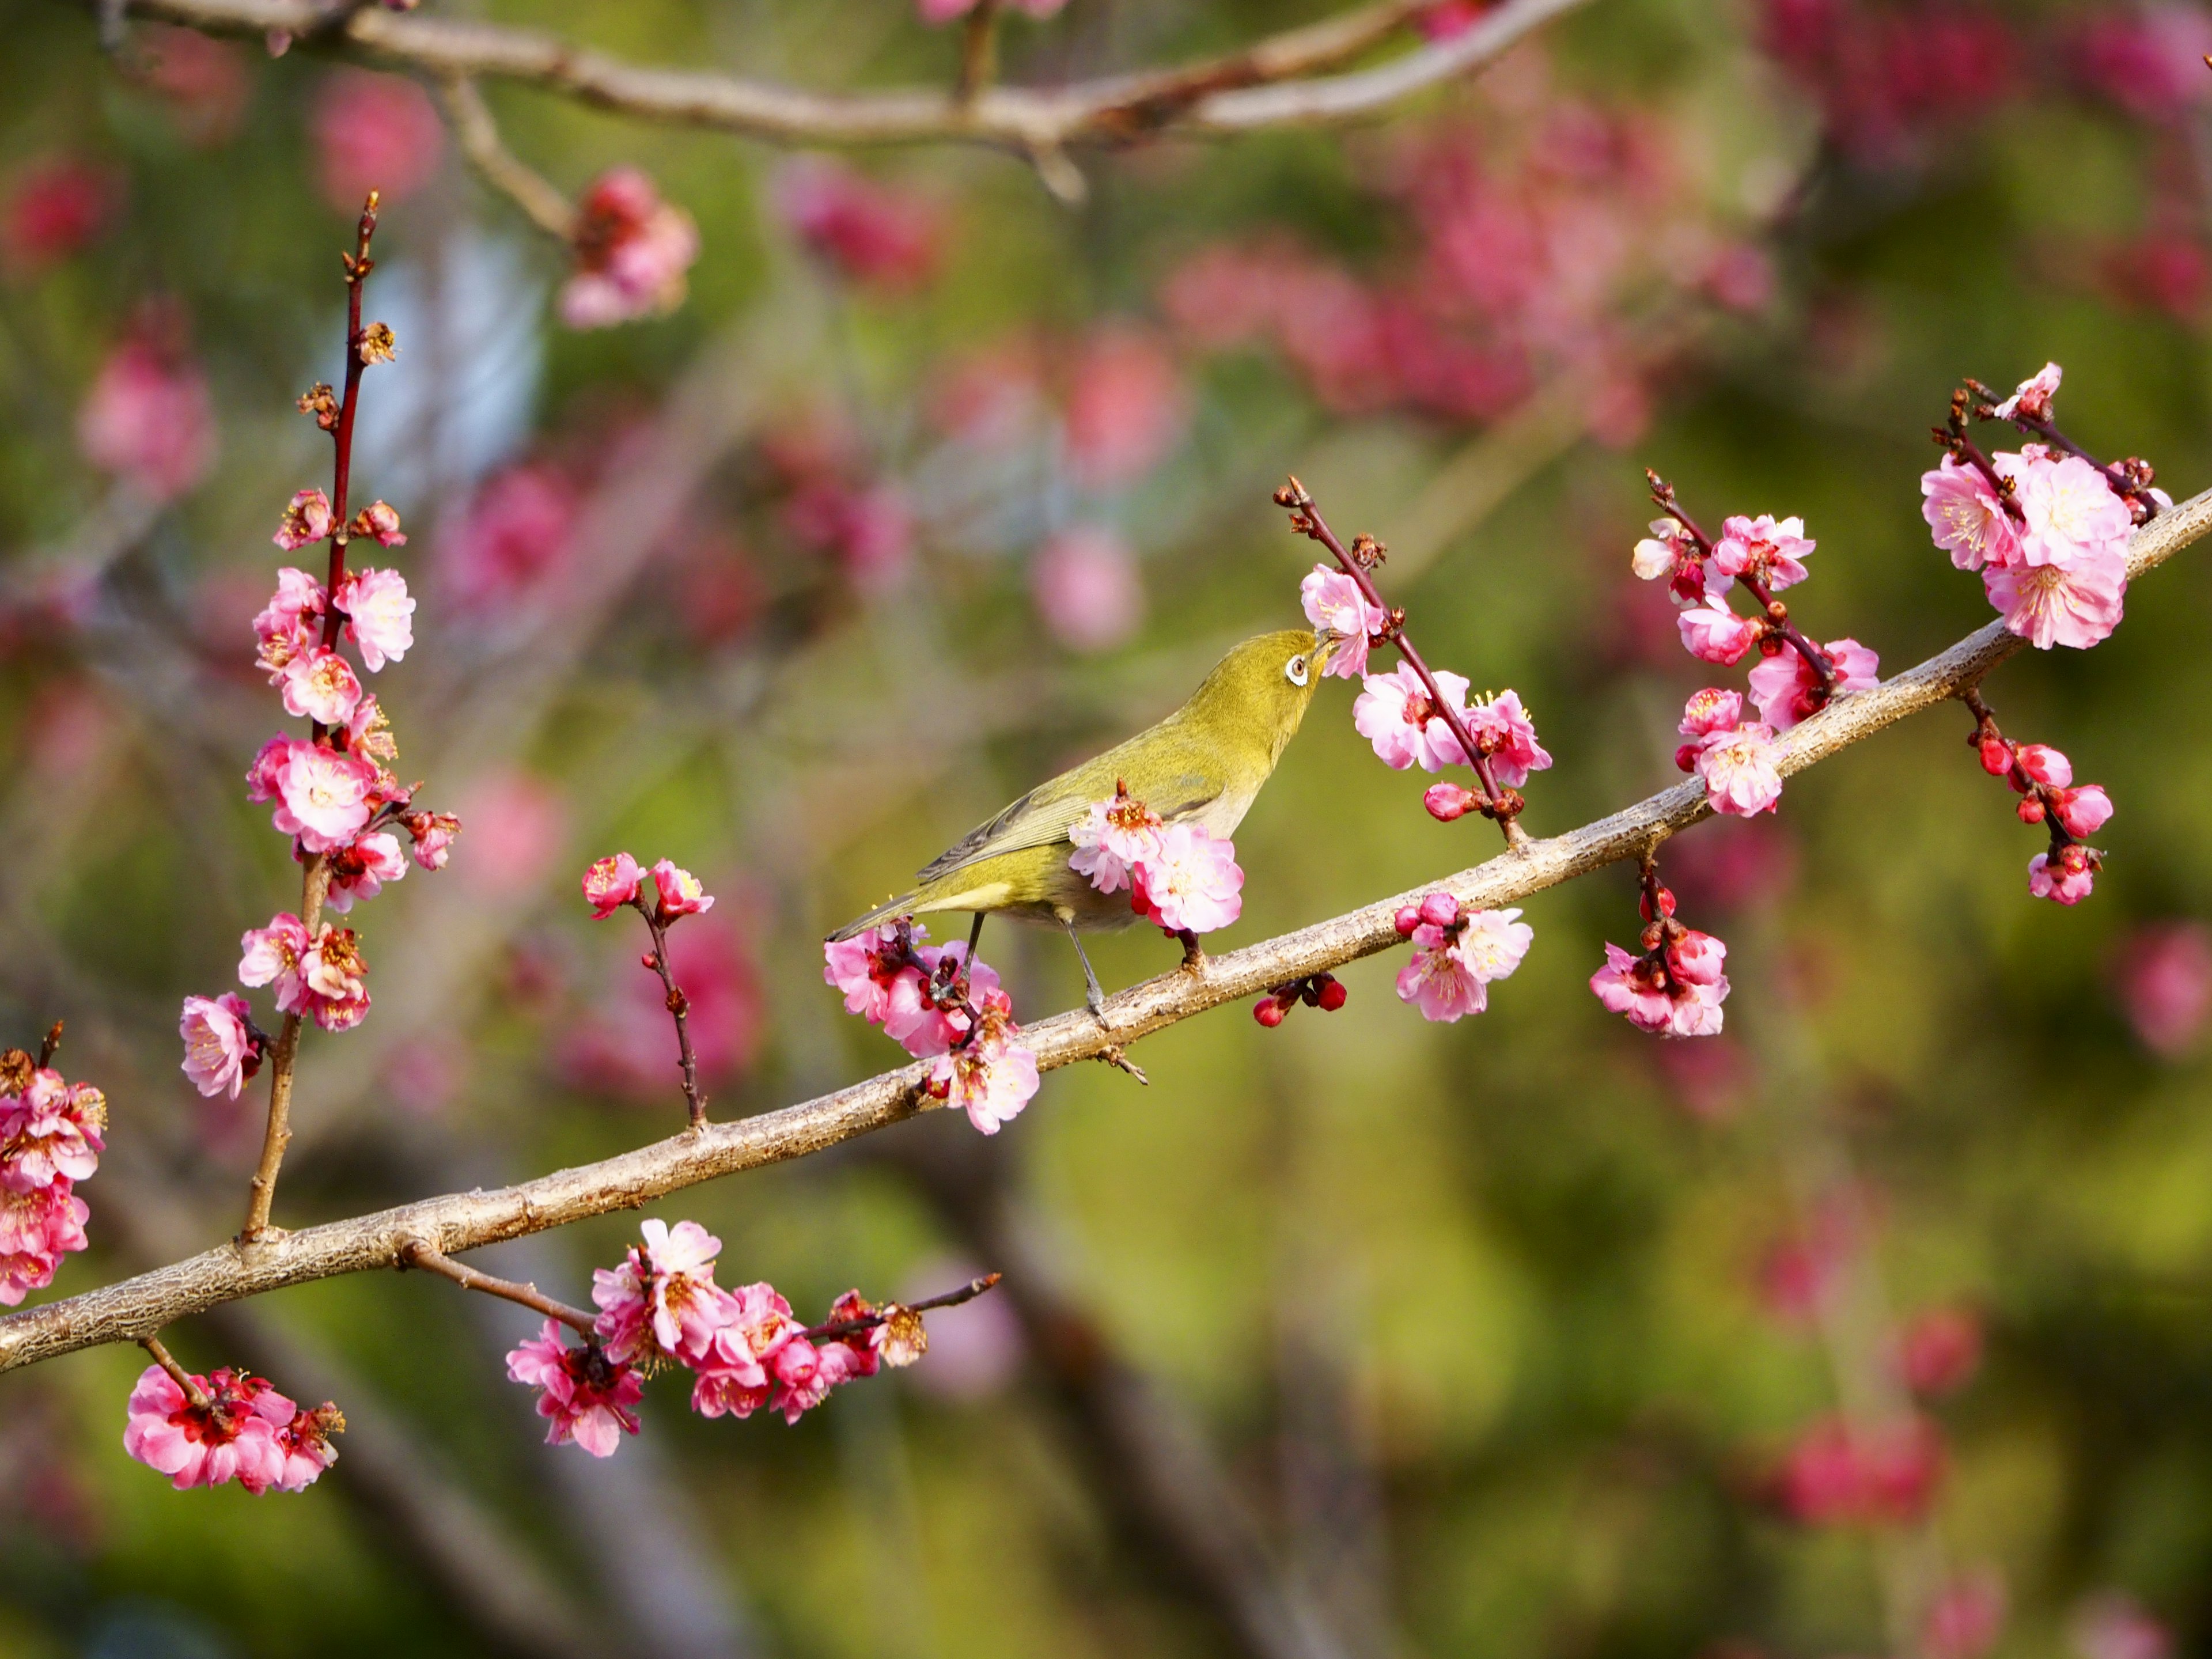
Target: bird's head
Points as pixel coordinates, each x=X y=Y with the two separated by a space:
x=1263 y=686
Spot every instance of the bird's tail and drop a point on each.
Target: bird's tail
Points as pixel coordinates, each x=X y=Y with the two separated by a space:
x=901 y=905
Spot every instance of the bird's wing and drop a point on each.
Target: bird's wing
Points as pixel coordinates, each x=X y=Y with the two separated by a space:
x=1048 y=812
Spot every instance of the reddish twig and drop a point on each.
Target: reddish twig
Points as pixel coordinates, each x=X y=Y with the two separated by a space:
x=678 y=1005
x=890 y=1310
x=419 y=1253
x=1775 y=613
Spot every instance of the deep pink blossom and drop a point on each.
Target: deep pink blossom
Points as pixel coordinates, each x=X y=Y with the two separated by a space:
x=2149 y=59
x=2163 y=972
x=734 y=1373
x=1332 y=600
x=1787 y=690
x=2032 y=397
x=323 y=796
x=374 y=131
x=663 y=1300
x=633 y=251
x=380 y=614
x=914 y=1016
x=867 y=529
x=585 y=1395
x=205 y=82
x=512 y=538
x=1709 y=711
x=1087 y=588
x=305 y=1443
x=1502 y=730
x=679 y=892
x=1194 y=885
x=881 y=238
x=609 y=883
x=1677 y=994
x=319 y=684
x=149 y=419
x=1712 y=633
x=2043 y=764
x=1878 y=1475
x=2065 y=879
x=219 y=1051
x=56 y=206
x=306 y=519
x=1966 y=517
x=433 y=833
x=1739 y=769
x=1111 y=840
x=1940 y=1352
x=1394 y=713
x=1966 y=1618
x=2070 y=513
x=234 y=1436
x=1765 y=549
x=862 y=968
x=991 y=1077
x=1126 y=407
x=37 y=1228
x=361 y=869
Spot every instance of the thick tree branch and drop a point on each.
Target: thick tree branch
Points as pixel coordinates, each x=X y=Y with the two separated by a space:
x=139 y=1306
x=1275 y=81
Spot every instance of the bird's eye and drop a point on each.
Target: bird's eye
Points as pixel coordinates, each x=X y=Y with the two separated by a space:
x=1294 y=671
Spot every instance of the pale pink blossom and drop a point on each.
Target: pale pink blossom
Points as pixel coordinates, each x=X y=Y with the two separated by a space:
x=52 y=1133
x=290 y=624
x=2082 y=811
x=1765 y=549
x=1660 y=553
x=380 y=522
x=632 y=250
x=306 y=519
x=2163 y=974
x=1111 y=840
x=2032 y=397
x=2066 y=879
x=1456 y=957
x=360 y=870
x=1193 y=884
x=1127 y=407
x=1966 y=1618
x=1966 y=517
x=609 y=883
x=374 y=131
x=585 y=1396
x=734 y=1376
x=149 y=419
x=662 y=1301
x=2114 y=1625
x=1624 y=985
x=234 y=1436
x=37 y=1228
x=219 y=1049
x=1502 y=730
x=2069 y=511
x=1087 y=588
x=881 y=238
x=2047 y=605
x=1712 y=633
x=679 y=892
x=319 y=684
x=323 y=796
x=1333 y=601
x=1709 y=711
x=990 y=1078
x=1739 y=769
x=379 y=615
x=333 y=980
x=1394 y=713
x=1786 y=689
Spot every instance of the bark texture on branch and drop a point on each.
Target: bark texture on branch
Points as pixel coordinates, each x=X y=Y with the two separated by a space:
x=1274 y=83
x=457 y=1222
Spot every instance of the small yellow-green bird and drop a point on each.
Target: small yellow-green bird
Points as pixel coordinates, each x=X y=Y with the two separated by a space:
x=1204 y=763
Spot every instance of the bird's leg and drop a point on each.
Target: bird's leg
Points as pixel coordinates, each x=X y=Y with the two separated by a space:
x=1093 y=998
x=968 y=961
x=1193 y=957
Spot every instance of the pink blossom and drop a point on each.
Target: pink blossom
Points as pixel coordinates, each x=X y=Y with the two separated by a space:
x=305 y=1443
x=2083 y=812
x=1967 y=1617
x=880 y=237
x=1126 y=407
x=519 y=824
x=662 y=1301
x=990 y=1078
x=1787 y=690
x=374 y=131
x=433 y=833
x=2043 y=764
x=914 y=1016
x=1455 y=958
x=1966 y=517
x=862 y=968
x=1713 y=633
x=868 y=530
x=1624 y=987
x=319 y=684
x=219 y=1049
x=360 y=870
x=2149 y=59
x=585 y=1394
x=379 y=615
x=334 y=980
x=206 y=83
x=264 y=779
x=2032 y=397
x=2066 y=879
x=52 y=1133
x=609 y=883
x=1192 y=886
x=1333 y=601
x=734 y=1376
x=1709 y=711
x=1394 y=713
x=2051 y=605
x=234 y=1436
x=1111 y=840
x=149 y=419
x=56 y=205
x=632 y=252
x=1502 y=730
x=1675 y=992
x=37 y=1228
x=2114 y=1625
x=2070 y=511
x=1881 y=1475
x=512 y=538
x=679 y=892
x=323 y=796
x=1940 y=1352
x=1087 y=589
x=306 y=519
x=1662 y=552
x=2163 y=972
x=1765 y=549
x=378 y=522
x=290 y=624
x=1739 y=769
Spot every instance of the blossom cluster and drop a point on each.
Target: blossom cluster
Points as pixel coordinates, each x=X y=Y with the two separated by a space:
x=2046 y=526
x=1179 y=876
x=2043 y=778
x=939 y=1006
x=49 y=1140
x=1457 y=954
x=1676 y=986
x=743 y=1347
x=232 y=1427
x=632 y=250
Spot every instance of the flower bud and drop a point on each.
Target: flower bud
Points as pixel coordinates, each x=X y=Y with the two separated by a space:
x=1333 y=994
x=1666 y=904
x=1440 y=910
x=1448 y=801
x=1268 y=1013
x=1406 y=920
x=1997 y=756
x=2030 y=809
x=1687 y=756
x=2045 y=764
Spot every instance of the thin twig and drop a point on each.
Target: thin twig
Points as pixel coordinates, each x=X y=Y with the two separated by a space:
x=419 y=1253
x=178 y=1374
x=837 y=1328
x=979 y=51
x=678 y=1004
x=540 y=200
x=141 y=1305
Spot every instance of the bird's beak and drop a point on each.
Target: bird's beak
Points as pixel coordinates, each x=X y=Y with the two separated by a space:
x=1326 y=640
